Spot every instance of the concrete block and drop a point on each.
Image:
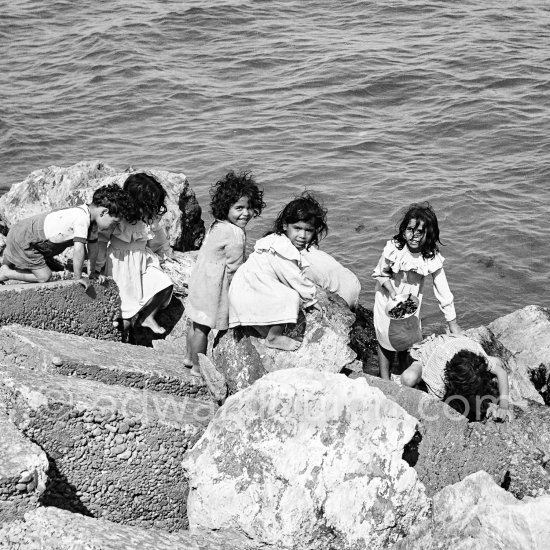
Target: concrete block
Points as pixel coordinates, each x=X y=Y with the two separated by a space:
x=103 y=361
x=114 y=452
x=23 y=467
x=63 y=306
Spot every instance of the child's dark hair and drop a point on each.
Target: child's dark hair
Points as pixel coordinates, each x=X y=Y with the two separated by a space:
x=420 y=213
x=304 y=208
x=227 y=191
x=113 y=198
x=147 y=198
x=469 y=385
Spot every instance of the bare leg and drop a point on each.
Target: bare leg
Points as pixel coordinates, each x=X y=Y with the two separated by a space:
x=150 y=310
x=40 y=275
x=274 y=338
x=385 y=358
x=197 y=340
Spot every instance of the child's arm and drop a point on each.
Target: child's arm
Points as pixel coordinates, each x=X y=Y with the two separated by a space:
x=502 y=412
x=445 y=298
x=234 y=255
x=160 y=244
x=79 y=255
x=383 y=274
x=290 y=274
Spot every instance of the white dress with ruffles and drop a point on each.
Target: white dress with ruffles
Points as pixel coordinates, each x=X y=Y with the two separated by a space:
x=270 y=286
x=134 y=266
x=407 y=271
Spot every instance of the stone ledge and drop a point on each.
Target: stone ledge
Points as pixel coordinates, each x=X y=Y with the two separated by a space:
x=108 y=362
x=54 y=528
x=23 y=467
x=63 y=306
x=114 y=452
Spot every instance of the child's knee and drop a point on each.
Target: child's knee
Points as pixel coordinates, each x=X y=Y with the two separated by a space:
x=411 y=376
x=43 y=277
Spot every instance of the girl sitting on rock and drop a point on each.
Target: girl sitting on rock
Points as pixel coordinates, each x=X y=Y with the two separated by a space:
x=144 y=287
x=457 y=370
x=268 y=289
x=235 y=200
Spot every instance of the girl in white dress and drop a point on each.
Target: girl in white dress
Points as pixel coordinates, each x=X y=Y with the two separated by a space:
x=235 y=200
x=406 y=261
x=268 y=289
x=143 y=286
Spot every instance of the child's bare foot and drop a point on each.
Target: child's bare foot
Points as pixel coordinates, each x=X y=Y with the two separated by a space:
x=151 y=323
x=195 y=371
x=282 y=342
x=3 y=273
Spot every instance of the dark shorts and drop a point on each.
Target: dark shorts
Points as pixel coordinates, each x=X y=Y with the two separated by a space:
x=27 y=247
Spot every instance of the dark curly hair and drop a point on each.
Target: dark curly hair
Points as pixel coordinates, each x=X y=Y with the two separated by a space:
x=420 y=213
x=304 y=208
x=469 y=385
x=112 y=197
x=227 y=191
x=147 y=198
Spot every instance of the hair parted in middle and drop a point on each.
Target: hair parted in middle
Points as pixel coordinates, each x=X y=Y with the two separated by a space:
x=305 y=208
x=147 y=198
x=469 y=385
x=422 y=212
x=227 y=191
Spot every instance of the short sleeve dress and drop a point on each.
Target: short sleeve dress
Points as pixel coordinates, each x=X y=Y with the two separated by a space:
x=270 y=286
x=407 y=270
x=435 y=351
x=222 y=252
x=134 y=266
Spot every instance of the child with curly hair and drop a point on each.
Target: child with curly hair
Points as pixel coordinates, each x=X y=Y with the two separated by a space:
x=267 y=291
x=457 y=370
x=235 y=200
x=33 y=241
x=143 y=286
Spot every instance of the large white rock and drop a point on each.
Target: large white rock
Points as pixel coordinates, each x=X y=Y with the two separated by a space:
x=476 y=513
x=526 y=333
x=309 y=460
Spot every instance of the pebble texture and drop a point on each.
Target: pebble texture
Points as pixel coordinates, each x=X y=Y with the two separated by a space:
x=477 y=513
x=108 y=362
x=52 y=528
x=63 y=306
x=58 y=187
x=307 y=460
x=114 y=452
x=447 y=448
x=23 y=472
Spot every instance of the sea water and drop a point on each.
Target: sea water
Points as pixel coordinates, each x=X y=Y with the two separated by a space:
x=370 y=105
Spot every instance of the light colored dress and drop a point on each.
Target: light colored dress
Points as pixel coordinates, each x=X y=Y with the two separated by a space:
x=435 y=351
x=134 y=266
x=407 y=270
x=270 y=286
x=222 y=252
x=328 y=273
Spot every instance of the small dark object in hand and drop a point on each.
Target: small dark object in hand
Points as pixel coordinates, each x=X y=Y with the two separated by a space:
x=403 y=308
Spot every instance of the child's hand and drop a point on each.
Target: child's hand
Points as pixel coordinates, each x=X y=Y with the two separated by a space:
x=85 y=282
x=100 y=278
x=499 y=414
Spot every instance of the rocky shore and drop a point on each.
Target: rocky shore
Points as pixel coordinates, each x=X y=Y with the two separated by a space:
x=109 y=445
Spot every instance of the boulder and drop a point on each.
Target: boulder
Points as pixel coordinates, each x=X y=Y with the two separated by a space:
x=447 y=448
x=308 y=460
x=59 y=187
x=61 y=530
x=243 y=358
x=477 y=513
